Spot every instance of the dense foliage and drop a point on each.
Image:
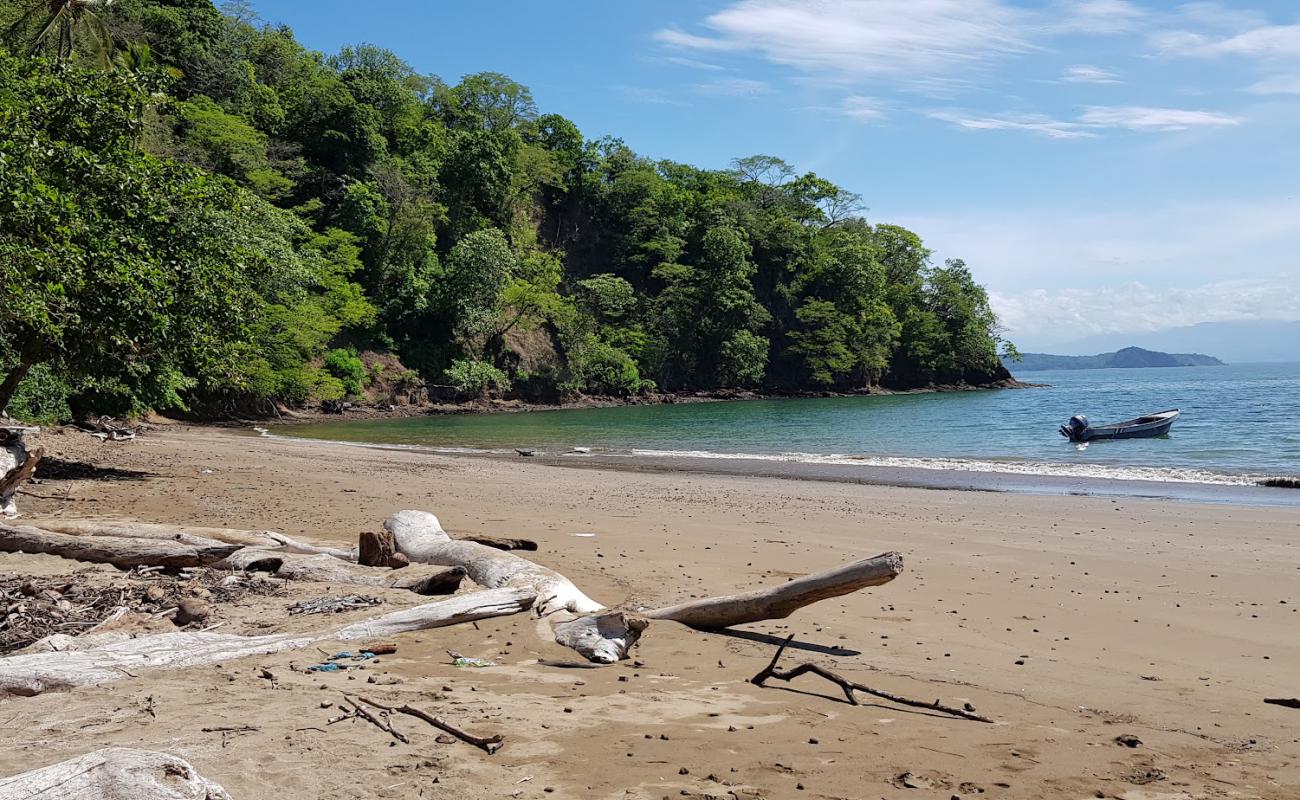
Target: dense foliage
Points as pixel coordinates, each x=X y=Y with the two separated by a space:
x=194 y=206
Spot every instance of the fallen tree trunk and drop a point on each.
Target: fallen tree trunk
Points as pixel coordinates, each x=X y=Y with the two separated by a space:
x=151 y=530
x=604 y=635
x=375 y=548
x=114 y=773
x=779 y=602
x=120 y=552
x=34 y=673
x=420 y=537
x=327 y=569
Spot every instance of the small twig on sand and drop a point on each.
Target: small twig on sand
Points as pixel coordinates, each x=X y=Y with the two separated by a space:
x=376 y=721
x=231 y=729
x=488 y=744
x=770 y=671
x=1287 y=702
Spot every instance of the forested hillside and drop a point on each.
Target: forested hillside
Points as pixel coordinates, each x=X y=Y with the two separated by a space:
x=197 y=210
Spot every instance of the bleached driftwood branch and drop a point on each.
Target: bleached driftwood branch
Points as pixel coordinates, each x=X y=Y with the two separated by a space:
x=114 y=773
x=605 y=635
x=105 y=661
x=120 y=552
x=327 y=569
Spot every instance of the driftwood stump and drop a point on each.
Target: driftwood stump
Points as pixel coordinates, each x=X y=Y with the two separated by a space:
x=376 y=548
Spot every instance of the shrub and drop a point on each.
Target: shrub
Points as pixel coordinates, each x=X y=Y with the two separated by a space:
x=478 y=378
x=42 y=397
x=347 y=367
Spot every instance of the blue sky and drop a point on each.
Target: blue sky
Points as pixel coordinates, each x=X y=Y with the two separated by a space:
x=1104 y=166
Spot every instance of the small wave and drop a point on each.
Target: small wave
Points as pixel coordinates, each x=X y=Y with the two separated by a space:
x=1090 y=471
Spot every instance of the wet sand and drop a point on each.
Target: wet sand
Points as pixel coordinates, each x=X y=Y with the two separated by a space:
x=1070 y=620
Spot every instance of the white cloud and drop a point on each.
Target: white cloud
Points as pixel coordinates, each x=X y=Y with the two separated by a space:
x=863 y=38
x=1101 y=17
x=1033 y=123
x=1091 y=121
x=863 y=109
x=1086 y=73
x=1062 y=315
x=1264 y=42
x=733 y=87
x=1277 y=84
x=651 y=96
x=1141 y=118
x=693 y=63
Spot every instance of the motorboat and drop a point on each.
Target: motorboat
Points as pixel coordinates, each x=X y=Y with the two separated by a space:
x=1078 y=429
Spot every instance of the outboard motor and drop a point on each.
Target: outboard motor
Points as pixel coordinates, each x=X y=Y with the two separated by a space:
x=1073 y=430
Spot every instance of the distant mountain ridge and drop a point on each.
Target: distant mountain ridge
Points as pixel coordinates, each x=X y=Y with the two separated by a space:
x=1127 y=358
x=1235 y=342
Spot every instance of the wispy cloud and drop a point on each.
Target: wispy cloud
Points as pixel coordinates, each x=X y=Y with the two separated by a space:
x=1086 y=73
x=863 y=38
x=1277 y=84
x=693 y=63
x=1142 y=118
x=651 y=96
x=1032 y=123
x=1093 y=120
x=1098 y=17
x=734 y=87
x=863 y=109
x=1264 y=42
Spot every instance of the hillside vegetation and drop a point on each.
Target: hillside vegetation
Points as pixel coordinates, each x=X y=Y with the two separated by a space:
x=196 y=210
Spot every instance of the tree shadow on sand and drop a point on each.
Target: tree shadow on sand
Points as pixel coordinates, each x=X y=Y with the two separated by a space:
x=58 y=469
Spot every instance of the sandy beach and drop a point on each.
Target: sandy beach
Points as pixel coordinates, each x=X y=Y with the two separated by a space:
x=1069 y=620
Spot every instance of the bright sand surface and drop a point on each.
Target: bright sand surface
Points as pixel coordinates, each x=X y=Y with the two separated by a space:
x=1069 y=620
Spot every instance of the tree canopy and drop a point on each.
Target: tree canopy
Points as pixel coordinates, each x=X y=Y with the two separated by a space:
x=217 y=212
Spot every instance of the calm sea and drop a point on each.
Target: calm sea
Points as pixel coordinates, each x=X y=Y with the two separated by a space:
x=1239 y=424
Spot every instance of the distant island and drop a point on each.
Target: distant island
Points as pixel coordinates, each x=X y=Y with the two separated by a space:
x=1128 y=358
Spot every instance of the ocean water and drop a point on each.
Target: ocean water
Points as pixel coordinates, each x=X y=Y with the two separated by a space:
x=1240 y=423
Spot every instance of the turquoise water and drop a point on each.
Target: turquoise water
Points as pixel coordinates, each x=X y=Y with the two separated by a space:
x=1239 y=423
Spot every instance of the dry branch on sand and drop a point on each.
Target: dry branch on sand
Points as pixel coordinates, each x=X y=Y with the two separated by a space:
x=849 y=687
x=114 y=773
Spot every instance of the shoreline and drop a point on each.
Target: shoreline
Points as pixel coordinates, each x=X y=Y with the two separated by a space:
x=377 y=410
x=971 y=480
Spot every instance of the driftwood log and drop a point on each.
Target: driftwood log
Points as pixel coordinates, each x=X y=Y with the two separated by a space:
x=375 y=548
x=112 y=657
x=604 y=635
x=328 y=569
x=153 y=530
x=114 y=773
x=120 y=552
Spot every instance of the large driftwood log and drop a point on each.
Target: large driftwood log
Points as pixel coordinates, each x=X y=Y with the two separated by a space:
x=327 y=569
x=114 y=773
x=120 y=552
x=152 y=530
x=779 y=602
x=34 y=673
x=420 y=537
x=605 y=635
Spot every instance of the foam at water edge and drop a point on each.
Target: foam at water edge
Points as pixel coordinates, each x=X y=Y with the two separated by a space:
x=1158 y=474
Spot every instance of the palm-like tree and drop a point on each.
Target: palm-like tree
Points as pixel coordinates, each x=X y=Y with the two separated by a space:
x=60 y=23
